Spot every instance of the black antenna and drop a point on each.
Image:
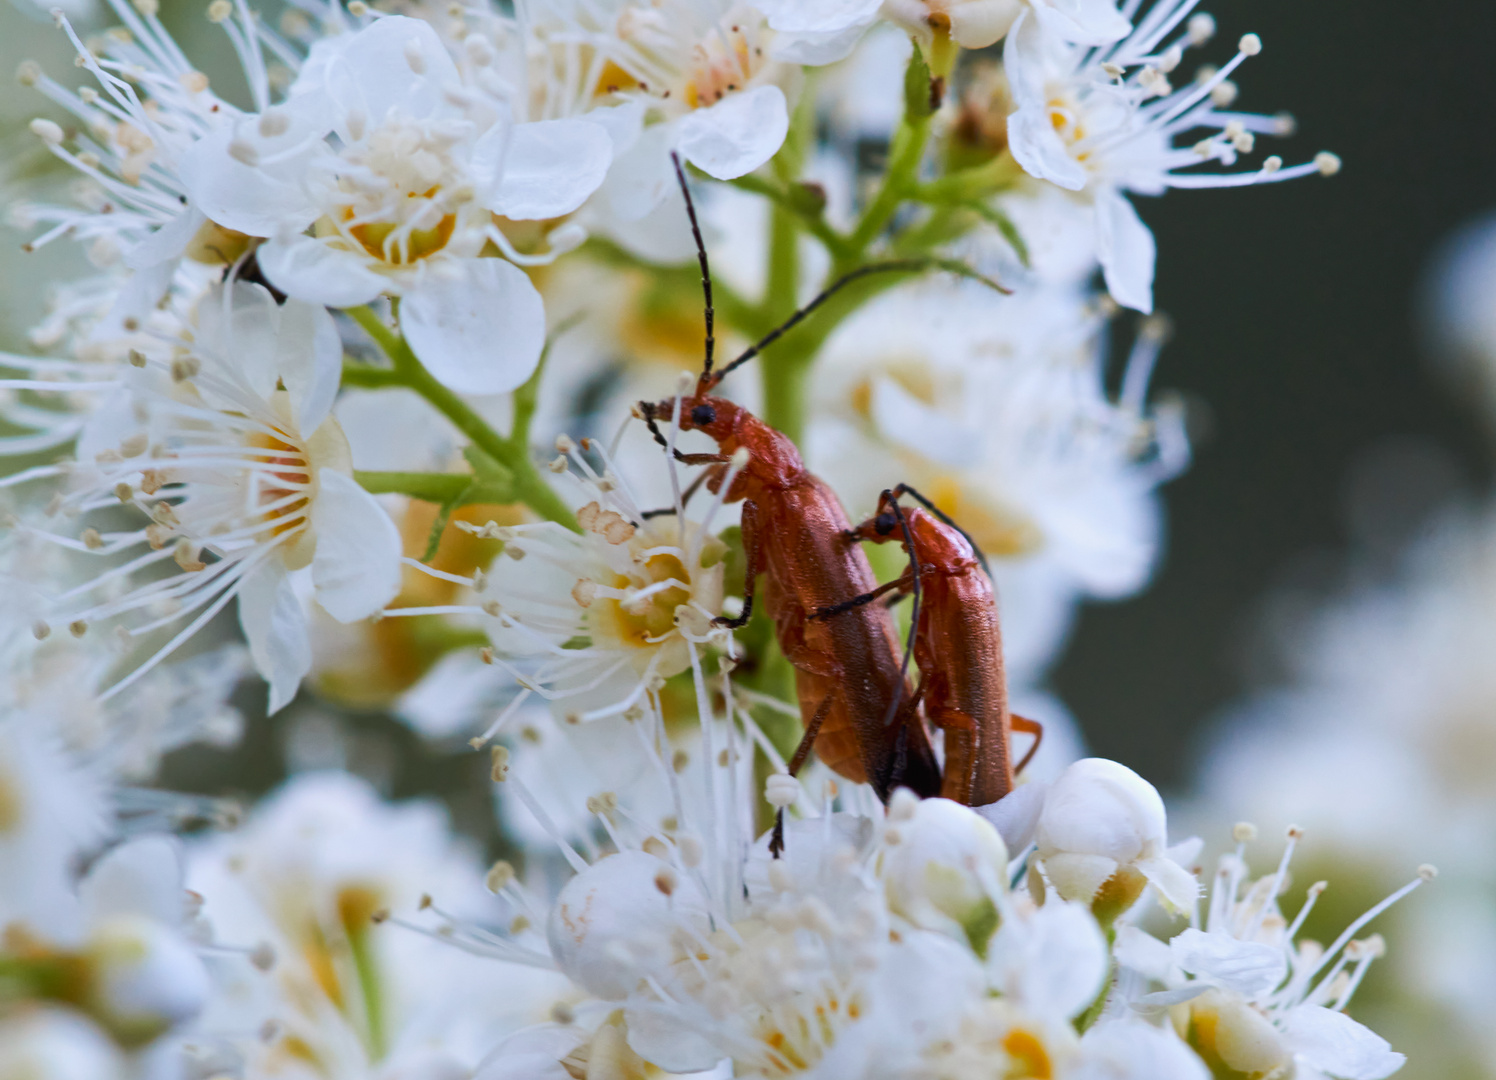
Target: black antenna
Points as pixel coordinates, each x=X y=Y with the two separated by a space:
x=706 y=273
x=892 y=266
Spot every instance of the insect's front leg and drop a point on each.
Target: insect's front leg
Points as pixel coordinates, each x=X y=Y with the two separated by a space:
x=753 y=551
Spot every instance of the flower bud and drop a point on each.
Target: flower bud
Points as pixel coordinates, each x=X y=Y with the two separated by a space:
x=943 y=871
x=53 y=1044
x=613 y=924
x=1102 y=837
x=146 y=978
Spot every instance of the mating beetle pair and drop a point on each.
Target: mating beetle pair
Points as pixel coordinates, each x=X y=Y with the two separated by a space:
x=855 y=700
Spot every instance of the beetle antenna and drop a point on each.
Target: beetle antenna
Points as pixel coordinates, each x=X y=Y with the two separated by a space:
x=706 y=272
x=898 y=513
x=905 y=489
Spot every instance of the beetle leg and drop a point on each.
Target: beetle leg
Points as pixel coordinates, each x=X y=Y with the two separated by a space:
x=898 y=762
x=903 y=583
x=1028 y=727
x=753 y=550
x=776 y=842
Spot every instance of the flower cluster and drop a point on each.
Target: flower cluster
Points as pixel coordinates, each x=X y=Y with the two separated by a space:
x=400 y=344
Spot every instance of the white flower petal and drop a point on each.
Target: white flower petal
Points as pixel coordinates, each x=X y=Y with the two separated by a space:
x=1126 y=250
x=976 y=24
x=1133 y=1050
x=167 y=242
x=1176 y=886
x=550 y=168
x=1248 y=967
x=641 y=177
x=1089 y=22
x=611 y=925
x=247 y=199
x=737 y=134
x=1036 y=146
x=236 y=326
x=372 y=73
x=141 y=292
x=814 y=50
x=1335 y=1044
x=532 y=1053
x=480 y=330
x=309 y=361
x=667 y=1040
x=356 y=569
x=140 y=877
x=1054 y=961
x=1140 y=951
x=308 y=269
x=818 y=16
x=1016 y=814
x=623 y=123
x=275 y=627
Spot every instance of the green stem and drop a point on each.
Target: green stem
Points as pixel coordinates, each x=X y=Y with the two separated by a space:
x=786 y=365
x=905 y=155
x=513 y=453
x=367 y=966
x=439 y=488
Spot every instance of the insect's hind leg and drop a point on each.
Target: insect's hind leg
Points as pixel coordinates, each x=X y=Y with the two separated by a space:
x=1028 y=727
x=776 y=842
x=754 y=552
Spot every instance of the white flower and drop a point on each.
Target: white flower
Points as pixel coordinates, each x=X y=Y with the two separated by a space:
x=403 y=202
x=1249 y=997
x=303 y=886
x=697 y=72
x=244 y=478
x=119 y=937
x=150 y=108
x=595 y=621
x=996 y=409
x=1102 y=838
x=1103 y=122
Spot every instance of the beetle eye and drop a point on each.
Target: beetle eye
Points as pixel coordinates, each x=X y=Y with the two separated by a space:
x=884 y=524
x=702 y=415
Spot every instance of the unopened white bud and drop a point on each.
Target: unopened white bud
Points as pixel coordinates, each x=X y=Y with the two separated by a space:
x=939 y=875
x=1104 y=825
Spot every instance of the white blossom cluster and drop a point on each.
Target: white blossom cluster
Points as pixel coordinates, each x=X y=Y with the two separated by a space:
x=283 y=440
